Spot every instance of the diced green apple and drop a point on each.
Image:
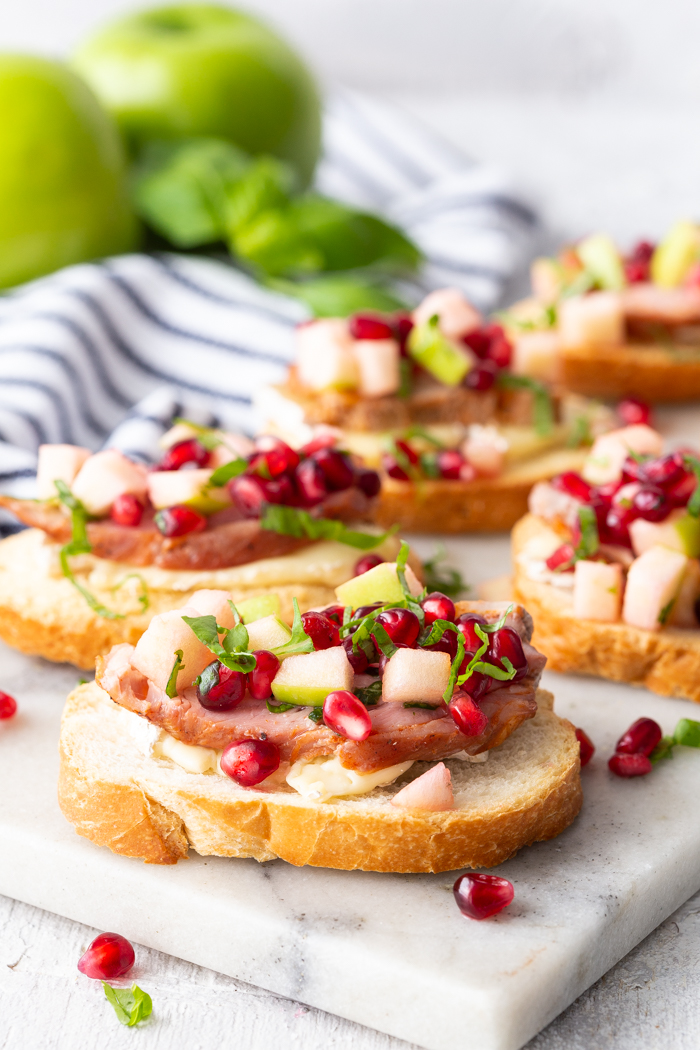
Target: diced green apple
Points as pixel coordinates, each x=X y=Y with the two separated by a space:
x=105 y=476
x=166 y=488
x=653 y=582
x=155 y=650
x=595 y=319
x=307 y=679
x=679 y=531
x=58 y=463
x=600 y=256
x=675 y=254
x=683 y=610
x=605 y=460
x=457 y=315
x=378 y=366
x=214 y=603
x=325 y=357
x=597 y=591
x=380 y=584
x=267 y=633
x=432 y=350
x=252 y=609
x=416 y=676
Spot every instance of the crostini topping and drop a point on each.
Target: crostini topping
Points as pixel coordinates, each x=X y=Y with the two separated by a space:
x=219 y=688
x=8 y=706
x=249 y=762
x=345 y=714
x=369 y=561
x=431 y=791
x=188 y=453
x=481 y=896
x=107 y=957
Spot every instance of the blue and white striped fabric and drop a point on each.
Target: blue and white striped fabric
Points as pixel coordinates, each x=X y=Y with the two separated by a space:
x=105 y=354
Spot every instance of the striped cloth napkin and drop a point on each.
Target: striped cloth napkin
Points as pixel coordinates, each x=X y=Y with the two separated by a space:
x=105 y=354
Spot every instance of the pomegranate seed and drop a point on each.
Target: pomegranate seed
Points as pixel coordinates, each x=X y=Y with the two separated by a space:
x=249 y=492
x=369 y=326
x=630 y=765
x=334 y=613
x=667 y=470
x=326 y=439
x=636 y=265
x=651 y=504
x=401 y=625
x=609 y=491
x=467 y=716
x=573 y=484
x=500 y=350
x=641 y=738
x=179 y=521
x=586 y=746
x=438 y=606
x=482 y=376
x=477 y=683
x=481 y=896
x=479 y=341
x=680 y=492
x=8 y=706
x=219 y=688
x=336 y=470
x=465 y=625
x=322 y=631
x=447 y=644
x=126 y=510
x=367 y=562
x=631 y=471
x=393 y=468
x=408 y=451
x=449 y=463
x=249 y=762
x=506 y=642
x=631 y=412
x=260 y=678
x=357 y=659
x=616 y=526
x=274 y=461
x=310 y=482
x=563 y=555
x=365 y=610
x=346 y=715
x=109 y=956
x=185 y=452
x=369 y=482
x=403 y=326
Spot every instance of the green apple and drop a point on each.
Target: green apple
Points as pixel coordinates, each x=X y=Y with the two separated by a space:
x=205 y=70
x=680 y=531
x=601 y=259
x=252 y=609
x=675 y=254
x=62 y=172
x=267 y=633
x=309 y=678
x=380 y=584
x=438 y=354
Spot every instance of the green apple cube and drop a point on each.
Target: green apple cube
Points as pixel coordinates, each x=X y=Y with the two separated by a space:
x=380 y=584
x=680 y=532
x=309 y=678
x=653 y=582
x=600 y=256
x=429 y=348
x=416 y=676
x=251 y=609
x=166 y=488
x=675 y=254
x=267 y=633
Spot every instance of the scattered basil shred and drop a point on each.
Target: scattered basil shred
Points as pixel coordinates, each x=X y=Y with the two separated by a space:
x=79 y=544
x=589 y=542
x=143 y=597
x=131 y=1005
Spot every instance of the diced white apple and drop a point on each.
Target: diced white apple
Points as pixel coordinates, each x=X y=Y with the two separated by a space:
x=536 y=354
x=233 y=446
x=597 y=318
x=307 y=679
x=105 y=476
x=267 y=633
x=485 y=449
x=416 y=676
x=653 y=582
x=325 y=355
x=166 y=488
x=58 y=463
x=605 y=460
x=178 y=432
x=213 y=603
x=597 y=591
x=378 y=366
x=380 y=584
x=457 y=315
x=431 y=791
x=155 y=650
x=683 y=610
x=679 y=531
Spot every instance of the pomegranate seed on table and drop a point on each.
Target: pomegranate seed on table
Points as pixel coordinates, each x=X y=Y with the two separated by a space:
x=367 y=562
x=632 y=412
x=185 y=452
x=573 y=484
x=586 y=746
x=322 y=631
x=219 y=688
x=393 y=468
x=109 y=956
x=438 y=606
x=641 y=738
x=651 y=504
x=369 y=326
x=449 y=463
x=401 y=625
x=624 y=765
x=369 y=482
x=310 y=482
x=357 y=658
x=179 y=521
x=465 y=625
x=249 y=762
x=481 y=896
x=506 y=642
x=466 y=714
x=127 y=510
x=346 y=715
x=260 y=678
x=8 y=706
x=563 y=555
x=481 y=377
x=336 y=469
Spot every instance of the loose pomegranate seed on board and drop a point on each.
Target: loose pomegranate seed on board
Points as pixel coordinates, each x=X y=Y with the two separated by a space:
x=438 y=606
x=641 y=738
x=260 y=678
x=401 y=625
x=322 y=631
x=481 y=896
x=367 y=562
x=336 y=469
x=185 y=452
x=8 y=705
x=109 y=956
x=126 y=510
x=219 y=688
x=586 y=746
x=369 y=326
x=357 y=659
x=249 y=762
x=346 y=715
x=630 y=765
x=467 y=715
x=179 y=521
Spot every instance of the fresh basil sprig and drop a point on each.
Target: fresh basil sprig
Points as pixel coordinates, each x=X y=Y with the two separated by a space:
x=79 y=544
x=131 y=1005
x=299 y=641
x=290 y=521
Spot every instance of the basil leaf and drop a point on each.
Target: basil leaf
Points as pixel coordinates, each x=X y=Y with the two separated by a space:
x=411 y=602
x=542 y=409
x=79 y=544
x=171 y=687
x=589 y=541
x=664 y=749
x=416 y=431
x=290 y=521
x=315 y=714
x=131 y=1005
x=383 y=641
x=143 y=597
x=299 y=641
x=278 y=709
x=207 y=436
x=693 y=507
x=490 y=628
x=687 y=733
x=496 y=672
x=419 y=703
x=436 y=631
x=207 y=630
x=224 y=474
x=236 y=640
x=370 y=694
x=454 y=669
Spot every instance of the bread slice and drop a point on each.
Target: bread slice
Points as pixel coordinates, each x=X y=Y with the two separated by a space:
x=667 y=662
x=650 y=373
x=528 y=790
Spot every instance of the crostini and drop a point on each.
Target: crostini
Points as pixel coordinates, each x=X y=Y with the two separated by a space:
x=356 y=740
x=607 y=562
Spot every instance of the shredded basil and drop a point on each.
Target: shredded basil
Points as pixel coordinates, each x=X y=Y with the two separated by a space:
x=299 y=641
x=171 y=687
x=143 y=597
x=693 y=464
x=589 y=542
x=370 y=694
x=419 y=703
x=543 y=410
x=278 y=709
x=79 y=544
x=290 y=521
x=580 y=433
x=315 y=714
x=229 y=470
x=383 y=641
x=441 y=578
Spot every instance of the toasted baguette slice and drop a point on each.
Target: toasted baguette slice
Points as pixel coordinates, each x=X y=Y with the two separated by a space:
x=528 y=790
x=650 y=373
x=667 y=662
x=484 y=505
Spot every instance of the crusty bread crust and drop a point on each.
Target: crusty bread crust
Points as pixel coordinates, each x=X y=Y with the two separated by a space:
x=666 y=662
x=529 y=790
x=484 y=505
x=650 y=373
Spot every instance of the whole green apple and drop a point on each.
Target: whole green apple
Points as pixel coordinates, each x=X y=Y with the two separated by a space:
x=205 y=70
x=63 y=195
